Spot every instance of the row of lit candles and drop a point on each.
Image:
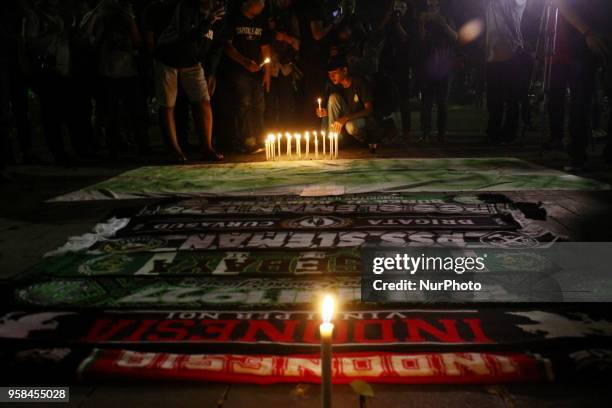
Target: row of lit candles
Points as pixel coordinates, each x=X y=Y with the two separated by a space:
x=274 y=142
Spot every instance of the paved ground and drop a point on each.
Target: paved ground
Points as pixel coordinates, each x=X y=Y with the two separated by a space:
x=29 y=227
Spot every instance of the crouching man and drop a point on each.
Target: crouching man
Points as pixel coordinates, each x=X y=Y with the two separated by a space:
x=350 y=105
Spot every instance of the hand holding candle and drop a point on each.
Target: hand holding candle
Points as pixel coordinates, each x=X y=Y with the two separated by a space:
x=326 y=330
x=266 y=61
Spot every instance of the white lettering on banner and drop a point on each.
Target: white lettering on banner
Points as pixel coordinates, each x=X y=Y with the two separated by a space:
x=371 y=366
x=298 y=367
x=362 y=366
x=149 y=266
x=197 y=362
x=412 y=366
x=135 y=359
x=263 y=366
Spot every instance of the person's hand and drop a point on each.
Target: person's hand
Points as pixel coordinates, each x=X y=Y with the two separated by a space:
x=597 y=45
x=212 y=84
x=339 y=124
x=321 y=113
x=266 y=83
x=251 y=66
x=216 y=15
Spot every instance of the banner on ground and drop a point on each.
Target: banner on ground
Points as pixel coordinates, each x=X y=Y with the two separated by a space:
x=393 y=368
x=176 y=225
x=289 y=240
x=346 y=205
x=355 y=330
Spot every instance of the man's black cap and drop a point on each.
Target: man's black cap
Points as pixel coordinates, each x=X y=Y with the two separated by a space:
x=336 y=62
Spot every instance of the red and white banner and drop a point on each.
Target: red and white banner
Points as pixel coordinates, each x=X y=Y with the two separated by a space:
x=431 y=368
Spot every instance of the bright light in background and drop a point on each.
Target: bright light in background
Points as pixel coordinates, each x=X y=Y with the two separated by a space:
x=470 y=31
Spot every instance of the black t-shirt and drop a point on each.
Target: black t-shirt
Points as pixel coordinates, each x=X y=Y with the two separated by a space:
x=248 y=36
x=356 y=95
x=157 y=15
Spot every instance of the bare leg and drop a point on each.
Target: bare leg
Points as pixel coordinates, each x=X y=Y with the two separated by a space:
x=203 y=118
x=169 y=128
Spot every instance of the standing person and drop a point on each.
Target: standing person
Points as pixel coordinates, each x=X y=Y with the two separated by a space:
x=350 y=106
x=399 y=56
x=195 y=24
x=157 y=15
x=14 y=75
x=281 y=103
x=586 y=35
x=316 y=27
x=47 y=32
x=437 y=43
x=504 y=44
x=247 y=47
x=117 y=40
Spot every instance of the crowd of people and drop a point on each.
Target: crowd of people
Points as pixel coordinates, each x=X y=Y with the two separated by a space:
x=236 y=69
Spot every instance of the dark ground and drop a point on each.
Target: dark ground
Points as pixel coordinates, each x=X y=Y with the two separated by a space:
x=29 y=227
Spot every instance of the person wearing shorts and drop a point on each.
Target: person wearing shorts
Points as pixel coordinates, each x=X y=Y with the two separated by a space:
x=195 y=26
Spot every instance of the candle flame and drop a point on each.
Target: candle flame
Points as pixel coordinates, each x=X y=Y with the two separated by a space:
x=298 y=136
x=328 y=308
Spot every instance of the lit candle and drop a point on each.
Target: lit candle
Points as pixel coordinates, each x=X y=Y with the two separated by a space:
x=323 y=137
x=319 y=100
x=331 y=145
x=266 y=61
x=288 y=136
x=278 y=139
x=298 y=145
x=307 y=136
x=268 y=149
x=316 y=145
x=326 y=330
x=336 y=147
x=272 y=146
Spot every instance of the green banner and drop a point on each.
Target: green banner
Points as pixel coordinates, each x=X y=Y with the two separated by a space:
x=183 y=292
x=186 y=263
x=334 y=177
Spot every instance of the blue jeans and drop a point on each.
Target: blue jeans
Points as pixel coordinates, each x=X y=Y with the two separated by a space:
x=362 y=129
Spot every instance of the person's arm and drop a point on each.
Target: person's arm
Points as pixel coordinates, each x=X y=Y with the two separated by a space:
x=320 y=30
x=233 y=54
x=594 y=40
x=450 y=31
x=387 y=16
x=364 y=113
x=135 y=33
x=213 y=57
x=292 y=40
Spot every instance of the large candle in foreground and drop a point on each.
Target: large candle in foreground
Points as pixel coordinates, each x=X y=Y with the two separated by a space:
x=326 y=330
x=278 y=139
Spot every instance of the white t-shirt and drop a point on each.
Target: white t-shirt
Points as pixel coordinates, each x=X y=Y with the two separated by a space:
x=503 y=19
